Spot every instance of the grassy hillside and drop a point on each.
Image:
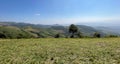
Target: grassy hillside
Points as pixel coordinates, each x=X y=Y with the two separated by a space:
x=60 y=51
x=13 y=32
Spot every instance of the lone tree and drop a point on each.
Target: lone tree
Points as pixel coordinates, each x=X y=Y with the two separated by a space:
x=97 y=35
x=73 y=29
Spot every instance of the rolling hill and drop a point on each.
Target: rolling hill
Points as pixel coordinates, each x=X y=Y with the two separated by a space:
x=22 y=30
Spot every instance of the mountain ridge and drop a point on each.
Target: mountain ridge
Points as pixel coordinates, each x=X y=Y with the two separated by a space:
x=39 y=30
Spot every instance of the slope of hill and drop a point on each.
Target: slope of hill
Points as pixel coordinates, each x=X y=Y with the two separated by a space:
x=87 y=30
x=13 y=32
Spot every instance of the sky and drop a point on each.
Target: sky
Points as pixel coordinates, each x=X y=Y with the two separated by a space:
x=60 y=11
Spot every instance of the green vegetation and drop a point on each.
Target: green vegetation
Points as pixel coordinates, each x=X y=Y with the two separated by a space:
x=60 y=51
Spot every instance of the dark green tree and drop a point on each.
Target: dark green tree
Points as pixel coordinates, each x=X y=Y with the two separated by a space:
x=57 y=35
x=2 y=35
x=97 y=35
x=72 y=30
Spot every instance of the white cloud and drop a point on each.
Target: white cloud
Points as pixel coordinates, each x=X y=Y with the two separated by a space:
x=37 y=14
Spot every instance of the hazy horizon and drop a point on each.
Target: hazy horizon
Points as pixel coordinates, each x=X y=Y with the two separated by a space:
x=48 y=12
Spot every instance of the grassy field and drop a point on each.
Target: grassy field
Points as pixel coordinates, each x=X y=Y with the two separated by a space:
x=60 y=51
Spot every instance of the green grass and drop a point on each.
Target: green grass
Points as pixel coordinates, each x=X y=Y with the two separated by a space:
x=60 y=51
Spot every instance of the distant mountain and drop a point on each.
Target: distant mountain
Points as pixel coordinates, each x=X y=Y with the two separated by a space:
x=23 y=24
x=109 y=30
x=42 y=31
x=115 y=29
x=107 y=27
x=104 y=23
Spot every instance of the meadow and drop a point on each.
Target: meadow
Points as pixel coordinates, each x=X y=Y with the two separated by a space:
x=60 y=51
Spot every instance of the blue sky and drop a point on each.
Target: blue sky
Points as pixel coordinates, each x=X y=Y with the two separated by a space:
x=60 y=11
